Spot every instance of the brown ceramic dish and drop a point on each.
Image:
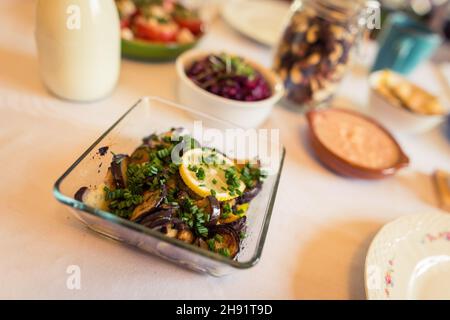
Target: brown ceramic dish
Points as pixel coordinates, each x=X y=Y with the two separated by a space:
x=349 y=168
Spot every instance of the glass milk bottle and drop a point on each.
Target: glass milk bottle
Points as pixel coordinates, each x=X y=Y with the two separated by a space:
x=78 y=44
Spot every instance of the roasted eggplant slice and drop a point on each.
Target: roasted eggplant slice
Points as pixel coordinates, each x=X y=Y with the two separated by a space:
x=171 y=184
x=174 y=132
x=211 y=206
x=159 y=223
x=199 y=242
x=152 y=141
x=169 y=230
x=93 y=197
x=249 y=194
x=119 y=167
x=225 y=240
x=155 y=141
x=109 y=180
x=166 y=206
x=214 y=210
x=157 y=218
x=140 y=155
x=186 y=235
x=179 y=224
x=239 y=225
x=182 y=196
x=152 y=200
x=80 y=193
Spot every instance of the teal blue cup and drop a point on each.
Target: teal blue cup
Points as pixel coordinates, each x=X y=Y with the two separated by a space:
x=404 y=43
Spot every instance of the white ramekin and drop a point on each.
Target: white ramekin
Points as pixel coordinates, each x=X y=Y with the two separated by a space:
x=242 y=113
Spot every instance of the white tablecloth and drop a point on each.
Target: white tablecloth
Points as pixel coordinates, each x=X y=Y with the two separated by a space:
x=321 y=227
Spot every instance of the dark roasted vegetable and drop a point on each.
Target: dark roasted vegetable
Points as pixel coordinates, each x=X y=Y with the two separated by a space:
x=249 y=194
x=80 y=193
x=182 y=196
x=155 y=141
x=152 y=141
x=140 y=155
x=169 y=230
x=157 y=218
x=166 y=206
x=239 y=225
x=212 y=207
x=171 y=184
x=174 y=133
x=109 y=180
x=158 y=223
x=186 y=235
x=152 y=200
x=119 y=167
x=179 y=224
x=103 y=150
x=214 y=210
x=225 y=240
x=199 y=242
x=93 y=196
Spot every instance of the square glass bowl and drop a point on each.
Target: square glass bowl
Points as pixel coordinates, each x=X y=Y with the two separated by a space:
x=151 y=115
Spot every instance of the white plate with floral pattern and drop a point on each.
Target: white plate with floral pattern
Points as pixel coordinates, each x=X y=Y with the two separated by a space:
x=410 y=259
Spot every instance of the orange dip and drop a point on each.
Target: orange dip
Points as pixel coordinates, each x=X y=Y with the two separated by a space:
x=356 y=139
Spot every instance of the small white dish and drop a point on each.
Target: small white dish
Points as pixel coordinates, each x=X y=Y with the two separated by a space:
x=395 y=117
x=260 y=20
x=242 y=113
x=410 y=259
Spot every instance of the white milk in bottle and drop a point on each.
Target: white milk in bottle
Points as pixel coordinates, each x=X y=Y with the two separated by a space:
x=78 y=44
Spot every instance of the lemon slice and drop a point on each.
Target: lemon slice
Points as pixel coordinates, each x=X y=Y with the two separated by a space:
x=204 y=172
x=242 y=208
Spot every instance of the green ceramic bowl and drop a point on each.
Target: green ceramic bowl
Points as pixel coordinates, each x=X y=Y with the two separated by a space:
x=144 y=50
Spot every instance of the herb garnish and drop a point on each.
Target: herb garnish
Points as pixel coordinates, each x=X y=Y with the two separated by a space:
x=194 y=217
x=122 y=202
x=225 y=252
x=233 y=181
x=251 y=175
x=200 y=174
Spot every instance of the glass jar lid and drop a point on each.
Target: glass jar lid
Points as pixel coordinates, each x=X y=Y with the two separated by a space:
x=337 y=10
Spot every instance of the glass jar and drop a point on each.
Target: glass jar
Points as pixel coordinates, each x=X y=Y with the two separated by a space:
x=315 y=49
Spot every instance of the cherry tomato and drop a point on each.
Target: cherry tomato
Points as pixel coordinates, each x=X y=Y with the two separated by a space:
x=195 y=25
x=154 y=31
x=124 y=23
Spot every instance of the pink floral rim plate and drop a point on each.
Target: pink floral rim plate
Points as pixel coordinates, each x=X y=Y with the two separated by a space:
x=409 y=258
